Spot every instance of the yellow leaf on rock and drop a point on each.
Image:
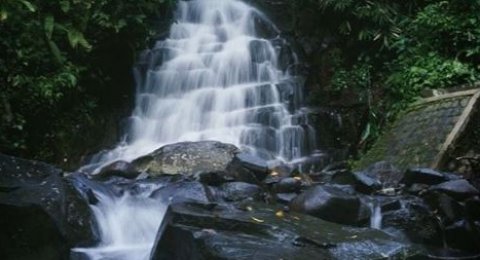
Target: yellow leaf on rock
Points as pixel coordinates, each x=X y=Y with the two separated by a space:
x=280 y=214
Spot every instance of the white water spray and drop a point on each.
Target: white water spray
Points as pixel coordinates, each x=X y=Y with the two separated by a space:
x=215 y=79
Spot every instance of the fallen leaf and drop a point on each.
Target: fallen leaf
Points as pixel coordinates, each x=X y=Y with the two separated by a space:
x=279 y=214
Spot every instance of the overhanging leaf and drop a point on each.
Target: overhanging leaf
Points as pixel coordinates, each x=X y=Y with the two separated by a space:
x=48 y=24
x=55 y=51
x=29 y=5
x=65 y=6
x=76 y=38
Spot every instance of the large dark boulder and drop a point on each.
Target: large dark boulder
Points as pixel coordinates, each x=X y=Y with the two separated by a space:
x=237 y=191
x=331 y=203
x=188 y=158
x=464 y=236
x=119 y=168
x=458 y=189
x=287 y=185
x=199 y=232
x=424 y=176
x=43 y=215
x=414 y=220
x=184 y=191
x=448 y=208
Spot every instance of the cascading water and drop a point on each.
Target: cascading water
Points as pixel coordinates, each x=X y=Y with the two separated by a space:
x=213 y=78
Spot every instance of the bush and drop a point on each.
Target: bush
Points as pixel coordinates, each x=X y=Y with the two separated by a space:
x=63 y=62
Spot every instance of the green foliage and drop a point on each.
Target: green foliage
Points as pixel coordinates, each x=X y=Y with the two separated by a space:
x=439 y=49
x=389 y=52
x=57 y=62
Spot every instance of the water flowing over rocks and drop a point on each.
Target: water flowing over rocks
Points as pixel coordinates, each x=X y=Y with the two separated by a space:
x=196 y=232
x=293 y=217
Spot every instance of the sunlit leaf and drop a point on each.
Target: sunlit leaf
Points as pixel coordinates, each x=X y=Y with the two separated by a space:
x=3 y=15
x=76 y=38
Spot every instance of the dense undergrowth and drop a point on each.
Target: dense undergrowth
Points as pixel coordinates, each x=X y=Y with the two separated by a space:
x=388 y=52
x=65 y=69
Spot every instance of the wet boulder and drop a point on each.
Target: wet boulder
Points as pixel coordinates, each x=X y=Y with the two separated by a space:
x=287 y=185
x=464 y=236
x=285 y=198
x=199 y=232
x=43 y=215
x=415 y=220
x=458 y=189
x=365 y=183
x=424 y=176
x=237 y=191
x=188 y=158
x=450 y=209
x=119 y=168
x=185 y=191
x=330 y=203
x=472 y=207
x=254 y=164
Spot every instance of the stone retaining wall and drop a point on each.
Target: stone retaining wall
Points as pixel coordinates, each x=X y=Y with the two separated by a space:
x=424 y=134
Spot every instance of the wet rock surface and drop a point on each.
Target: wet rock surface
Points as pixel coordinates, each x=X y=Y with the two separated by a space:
x=246 y=209
x=329 y=203
x=187 y=158
x=196 y=232
x=43 y=215
x=119 y=168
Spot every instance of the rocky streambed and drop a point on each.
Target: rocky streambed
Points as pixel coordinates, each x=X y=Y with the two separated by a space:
x=223 y=203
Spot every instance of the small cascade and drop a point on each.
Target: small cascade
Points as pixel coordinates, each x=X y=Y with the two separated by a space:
x=376 y=217
x=127 y=224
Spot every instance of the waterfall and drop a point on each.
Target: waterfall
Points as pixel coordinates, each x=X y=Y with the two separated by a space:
x=213 y=78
